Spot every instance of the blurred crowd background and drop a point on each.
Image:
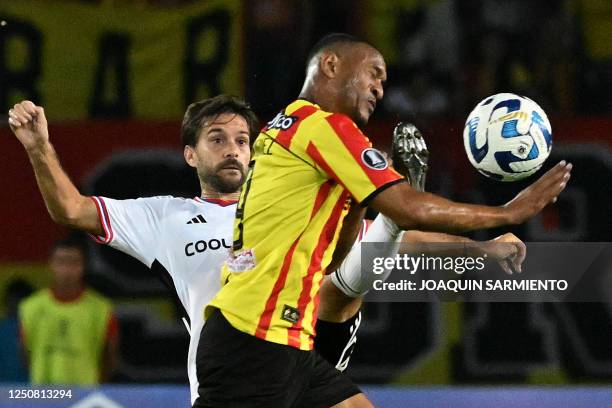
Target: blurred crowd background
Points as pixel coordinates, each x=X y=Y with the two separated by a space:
x=116 y=76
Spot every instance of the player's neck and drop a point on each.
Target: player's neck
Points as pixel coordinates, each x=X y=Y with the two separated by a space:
x=208 y=193
x=325 y=98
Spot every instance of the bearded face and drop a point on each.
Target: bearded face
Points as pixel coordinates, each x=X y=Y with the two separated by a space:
x=221 y=154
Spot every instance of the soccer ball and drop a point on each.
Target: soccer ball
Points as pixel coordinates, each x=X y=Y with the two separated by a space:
x=507 y=137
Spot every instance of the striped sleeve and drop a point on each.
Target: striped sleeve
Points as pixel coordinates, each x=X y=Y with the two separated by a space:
x=104 y=220
x=346 y=155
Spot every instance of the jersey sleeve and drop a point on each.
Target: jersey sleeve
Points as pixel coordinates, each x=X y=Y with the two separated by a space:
x=346 y=155
x=131 y=226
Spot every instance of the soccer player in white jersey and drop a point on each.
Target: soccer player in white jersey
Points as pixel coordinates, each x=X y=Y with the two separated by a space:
x=190 y=238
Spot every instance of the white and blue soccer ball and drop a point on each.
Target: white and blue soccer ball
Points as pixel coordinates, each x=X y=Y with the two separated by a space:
x=507 y=137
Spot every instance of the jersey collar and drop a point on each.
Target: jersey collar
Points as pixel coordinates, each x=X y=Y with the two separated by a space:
x=218 y=201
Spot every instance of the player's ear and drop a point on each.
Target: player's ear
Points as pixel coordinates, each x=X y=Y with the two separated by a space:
x=189 y=154
x=328 y=64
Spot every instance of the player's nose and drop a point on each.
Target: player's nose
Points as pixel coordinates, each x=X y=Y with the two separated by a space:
x=377 y=90
x=232 y=150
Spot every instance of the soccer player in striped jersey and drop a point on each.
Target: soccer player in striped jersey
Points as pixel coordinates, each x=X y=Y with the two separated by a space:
x=311 y=164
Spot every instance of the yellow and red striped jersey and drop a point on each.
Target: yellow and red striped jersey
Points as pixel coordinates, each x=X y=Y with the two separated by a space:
x=306 y=166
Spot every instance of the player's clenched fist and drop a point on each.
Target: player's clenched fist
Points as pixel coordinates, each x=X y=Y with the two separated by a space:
x=508 y=250
x=29 y=124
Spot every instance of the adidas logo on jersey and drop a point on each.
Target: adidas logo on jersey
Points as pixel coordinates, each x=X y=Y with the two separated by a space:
x=197 y=220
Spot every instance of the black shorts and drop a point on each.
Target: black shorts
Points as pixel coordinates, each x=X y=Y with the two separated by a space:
x=235 y=369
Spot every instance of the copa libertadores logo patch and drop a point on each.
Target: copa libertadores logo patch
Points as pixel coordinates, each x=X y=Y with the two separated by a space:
x=374 y=159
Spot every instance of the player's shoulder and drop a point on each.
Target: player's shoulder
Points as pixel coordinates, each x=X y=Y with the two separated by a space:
x=166 y=203
x=307 y=109
x=155 y=201
x=195 y=201
x=333 y=122
x=162 y=199
x=341 y=124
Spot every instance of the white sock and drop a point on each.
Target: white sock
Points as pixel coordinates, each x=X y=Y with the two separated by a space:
x=350 y=278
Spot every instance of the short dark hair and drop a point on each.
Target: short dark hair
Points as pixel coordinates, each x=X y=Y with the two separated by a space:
x=334 y=39
x=211 y=108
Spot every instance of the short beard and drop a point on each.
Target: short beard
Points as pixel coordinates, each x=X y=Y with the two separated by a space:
x=220 y=184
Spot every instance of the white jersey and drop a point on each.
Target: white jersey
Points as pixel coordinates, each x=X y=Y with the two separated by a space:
x=187 y=239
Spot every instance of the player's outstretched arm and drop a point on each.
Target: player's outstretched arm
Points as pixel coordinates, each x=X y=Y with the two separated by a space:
x=415 y=210
x=507 y=249
x=66 y=205
x=354 y=281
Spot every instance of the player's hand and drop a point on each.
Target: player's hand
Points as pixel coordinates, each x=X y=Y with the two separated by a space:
x=534 y=198
x=410 y=154
x=508 y=250
x=29 y=124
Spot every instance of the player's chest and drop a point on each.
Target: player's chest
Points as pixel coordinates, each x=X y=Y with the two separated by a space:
x=203 y=236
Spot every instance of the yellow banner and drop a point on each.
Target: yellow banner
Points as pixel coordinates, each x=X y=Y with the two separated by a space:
x=86 y=61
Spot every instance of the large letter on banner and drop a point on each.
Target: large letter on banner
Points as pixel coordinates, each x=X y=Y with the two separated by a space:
x=82 y=74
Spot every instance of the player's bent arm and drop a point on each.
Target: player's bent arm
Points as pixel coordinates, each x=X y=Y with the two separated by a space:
x=434 y=242
x=507 y=249
x=412 y=209
x=66 y=205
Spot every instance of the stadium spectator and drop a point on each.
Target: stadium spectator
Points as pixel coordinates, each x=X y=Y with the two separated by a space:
x=69 y=332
